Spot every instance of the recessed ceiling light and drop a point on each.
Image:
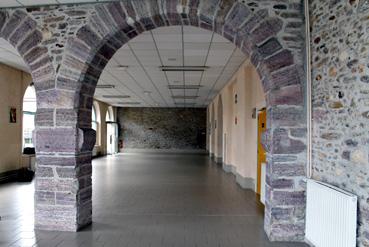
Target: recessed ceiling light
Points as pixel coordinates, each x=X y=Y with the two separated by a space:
x=105 y=86
x=185 y=97
x=185 y=104
x=122 y=67
x=129 y=103
x=184 y=86
x=183 y=68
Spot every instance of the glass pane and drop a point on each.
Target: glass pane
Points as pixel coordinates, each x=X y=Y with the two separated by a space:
x=28 y=127
x=94 y=126
x=29 y=100
x=93 y=114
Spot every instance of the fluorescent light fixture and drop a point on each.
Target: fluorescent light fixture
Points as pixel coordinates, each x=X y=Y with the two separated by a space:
x=116 y=96
x=183 y=68
x=184 y=86
x=122 y=67
x=129 y=103
x=185 y=104
x=105 y=86
x=147 y=92
x=185 y=97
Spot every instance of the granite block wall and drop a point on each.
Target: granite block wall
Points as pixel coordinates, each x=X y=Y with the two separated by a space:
x=162 y=128
x=340 y=69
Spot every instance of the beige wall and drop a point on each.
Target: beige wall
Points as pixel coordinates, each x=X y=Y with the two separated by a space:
x=101 y=138
x=241 y=138
x=13 y=84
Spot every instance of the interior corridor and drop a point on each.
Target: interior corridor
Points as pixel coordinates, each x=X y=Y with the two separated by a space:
x=148 y=200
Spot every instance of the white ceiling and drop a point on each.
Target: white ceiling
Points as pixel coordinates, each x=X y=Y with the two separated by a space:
x=10 y=56
x=143 y=84
x=23 y=3
x=147 y=85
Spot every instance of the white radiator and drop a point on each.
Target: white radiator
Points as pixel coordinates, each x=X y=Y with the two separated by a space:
x=330 y=216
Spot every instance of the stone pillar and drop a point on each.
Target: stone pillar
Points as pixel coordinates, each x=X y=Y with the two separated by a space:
x=285 y=142
x=63 y=186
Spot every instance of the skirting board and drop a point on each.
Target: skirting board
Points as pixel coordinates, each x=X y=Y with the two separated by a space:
x=218 y=160
x=227 y=168
x=9 y=176
x=243 y=182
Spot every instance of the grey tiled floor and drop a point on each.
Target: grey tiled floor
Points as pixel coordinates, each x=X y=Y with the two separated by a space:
x=148 y=200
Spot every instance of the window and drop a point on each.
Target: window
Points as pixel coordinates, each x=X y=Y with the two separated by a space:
x=29 y=112
x=95 y=121
x=94 y=118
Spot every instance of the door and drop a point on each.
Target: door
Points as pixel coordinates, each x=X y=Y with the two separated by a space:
x=261 y=150
x=112 y=137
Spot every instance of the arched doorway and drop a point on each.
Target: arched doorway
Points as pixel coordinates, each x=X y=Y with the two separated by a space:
x=65 y=86
x=111 y=132
x=257 y=34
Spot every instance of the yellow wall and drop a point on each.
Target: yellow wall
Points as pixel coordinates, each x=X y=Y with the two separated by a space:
x=241 y=139
x=13 y=84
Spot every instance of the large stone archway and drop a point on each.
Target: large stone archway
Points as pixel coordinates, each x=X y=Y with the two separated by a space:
x=76 y=42
x=263 y=33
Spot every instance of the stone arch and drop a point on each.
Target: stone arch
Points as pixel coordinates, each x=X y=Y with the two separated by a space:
x=219 y=130
x=259 y=31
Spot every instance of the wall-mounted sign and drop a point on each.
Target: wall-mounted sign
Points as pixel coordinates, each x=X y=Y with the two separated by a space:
x=235 y=120
x=253 y=115
x=235 y=99
x=12 y=115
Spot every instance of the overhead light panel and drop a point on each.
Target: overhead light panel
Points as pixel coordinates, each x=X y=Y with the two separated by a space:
x=185 y=97
x=122 y=67
x=105 y=86
x=116 y=96
x=185 y=104
x=129 y=103
x=183 y=68
x=184 y=86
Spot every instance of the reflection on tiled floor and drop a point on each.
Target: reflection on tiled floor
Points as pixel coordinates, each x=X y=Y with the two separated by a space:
x=148 y=200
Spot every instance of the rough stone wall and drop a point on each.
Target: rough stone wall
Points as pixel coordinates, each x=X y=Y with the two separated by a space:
x=162 y=128
x=340 y=57
x=67 y=47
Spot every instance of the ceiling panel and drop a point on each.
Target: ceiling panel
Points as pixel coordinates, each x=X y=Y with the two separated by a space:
x=135 y=69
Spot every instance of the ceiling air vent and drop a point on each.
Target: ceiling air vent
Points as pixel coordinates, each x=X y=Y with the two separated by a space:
x=184 y=86
x=105 y=86
x=116 y=96
x=183 y=68
x=185 y=97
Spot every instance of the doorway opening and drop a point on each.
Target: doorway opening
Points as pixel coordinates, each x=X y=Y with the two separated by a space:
x=111 y=133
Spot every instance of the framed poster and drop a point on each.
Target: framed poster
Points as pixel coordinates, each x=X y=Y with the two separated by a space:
x=12 y=115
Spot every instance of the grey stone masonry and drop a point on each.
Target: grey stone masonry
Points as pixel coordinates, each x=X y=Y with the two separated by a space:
x=340 y=69
x=68 y=46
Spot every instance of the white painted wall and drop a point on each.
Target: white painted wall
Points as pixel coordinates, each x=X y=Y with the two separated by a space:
x=241 y=150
